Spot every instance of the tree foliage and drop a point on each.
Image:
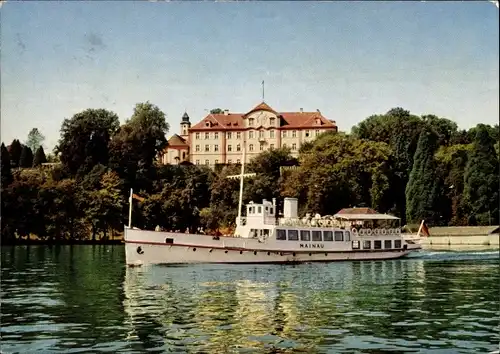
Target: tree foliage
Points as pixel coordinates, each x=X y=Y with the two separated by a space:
x=5 y=171
x=39 y=157
x=35 y=139
x=84 y=139
x=422 y=188
x=26 y=160
x=15 y=151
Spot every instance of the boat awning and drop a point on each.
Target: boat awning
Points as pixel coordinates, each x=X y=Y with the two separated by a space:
x=365 y=217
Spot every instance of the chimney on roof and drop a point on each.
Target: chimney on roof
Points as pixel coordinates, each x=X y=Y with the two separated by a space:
x=318 y=110
x=226 y=112
x=301 y=110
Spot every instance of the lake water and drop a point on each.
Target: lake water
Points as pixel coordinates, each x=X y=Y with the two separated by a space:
x=71 y=299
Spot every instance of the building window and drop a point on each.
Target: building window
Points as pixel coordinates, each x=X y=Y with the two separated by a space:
x=261 y=134
x=197 y=162
x=207 y=136
x=229 y=135
x=216 y=147
x=250 y=122
x=271 y=146
x=307 y=133
x=229 y=148
x=283 y=133
x=238 y=161
x=238 y=135
x=250 y=147
x=197 y=148
x=216 y=162
x=216 y=135
x=294 y=133
x=207 y=162
x=317 y=132
x=284 y=145
x=250 y=135
x=294 y=146
x=271 y=134
x=261 y=147
x=238 y=147
x=207 y=148
x=272 y=121
x=229 y=161
x=305 y=235
x=198 y=136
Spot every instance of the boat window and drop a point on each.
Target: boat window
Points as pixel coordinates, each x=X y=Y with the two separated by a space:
x=387 y=244
x=293 y=235
x=280 y=234
x=316 y=236
x=327 y=235
x=271 y=211
x=355 y=245
x=253 y=233
x=377 y=244
x=339 y=236
x=397 y=243
x=348 y=235
x=367 y=245
x=305 y=235
x=250 y=210
x=259 y=210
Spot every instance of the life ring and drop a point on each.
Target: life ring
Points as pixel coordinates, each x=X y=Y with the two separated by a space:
x=354 y=231
x=383 y=231
x=376 y=231
x=361 y=232
x=368 y=232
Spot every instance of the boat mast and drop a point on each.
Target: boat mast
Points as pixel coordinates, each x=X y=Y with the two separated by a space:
x=130 y=210
x=241 y=176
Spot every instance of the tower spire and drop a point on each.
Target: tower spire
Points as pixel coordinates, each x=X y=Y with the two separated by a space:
x=262 y=90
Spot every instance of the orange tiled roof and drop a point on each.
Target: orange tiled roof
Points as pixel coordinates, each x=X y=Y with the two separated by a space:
x=176 y=140
x=289 y=120
x=357 y=211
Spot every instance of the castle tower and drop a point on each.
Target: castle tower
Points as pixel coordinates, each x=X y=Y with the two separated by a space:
x=185 y=125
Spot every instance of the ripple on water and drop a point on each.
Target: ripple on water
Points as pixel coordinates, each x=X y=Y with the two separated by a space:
x=85 y=300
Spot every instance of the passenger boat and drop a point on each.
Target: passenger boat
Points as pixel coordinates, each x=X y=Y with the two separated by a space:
x=263 y=237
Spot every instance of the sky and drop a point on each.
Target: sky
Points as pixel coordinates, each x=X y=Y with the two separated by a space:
x=348 y=59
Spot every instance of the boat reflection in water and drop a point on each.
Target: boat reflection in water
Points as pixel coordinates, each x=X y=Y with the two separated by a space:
x=308 y=307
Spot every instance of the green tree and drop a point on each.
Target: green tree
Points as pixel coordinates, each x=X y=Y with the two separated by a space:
x=35 y=139
x=39 y=157
x=481 y=178
x=337 y=172
x=15 y=151
x=422 y=189
x=400 y=130
x=26 y=160
x=5 y=166
x=216 y=111
x=137 y=144
x=445 y=129
x=84 y=139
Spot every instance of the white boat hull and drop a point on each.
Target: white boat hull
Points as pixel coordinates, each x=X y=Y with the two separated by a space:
x=149 y=247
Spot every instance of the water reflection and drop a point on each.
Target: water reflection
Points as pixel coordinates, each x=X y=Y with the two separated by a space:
x=394 y=305
x=83 y=298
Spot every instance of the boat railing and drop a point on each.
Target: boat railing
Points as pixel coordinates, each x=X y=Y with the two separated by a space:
x=309 y=222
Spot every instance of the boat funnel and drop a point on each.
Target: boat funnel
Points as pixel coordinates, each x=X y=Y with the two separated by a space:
x=290 y=208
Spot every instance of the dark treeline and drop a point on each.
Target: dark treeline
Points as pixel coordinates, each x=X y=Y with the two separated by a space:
x=413 y=167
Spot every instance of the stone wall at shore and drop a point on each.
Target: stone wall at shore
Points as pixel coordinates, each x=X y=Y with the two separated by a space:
x=466 y=235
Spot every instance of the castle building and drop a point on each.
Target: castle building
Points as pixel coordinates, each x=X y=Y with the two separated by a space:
x=219 y=138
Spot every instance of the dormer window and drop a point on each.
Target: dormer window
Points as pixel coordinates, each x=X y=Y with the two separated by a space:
x=272 y=122
x=207 y=124
x=318 y=121
x=250 y=122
